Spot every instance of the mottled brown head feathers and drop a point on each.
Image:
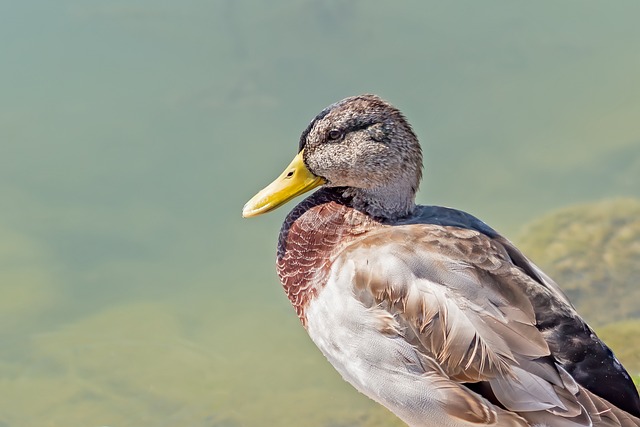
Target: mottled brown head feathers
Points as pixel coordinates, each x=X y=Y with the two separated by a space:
x=366 y=144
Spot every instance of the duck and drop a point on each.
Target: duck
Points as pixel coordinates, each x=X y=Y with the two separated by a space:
x=427 y=310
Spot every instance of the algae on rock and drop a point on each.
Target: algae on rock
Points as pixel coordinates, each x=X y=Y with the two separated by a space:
x=593 y=252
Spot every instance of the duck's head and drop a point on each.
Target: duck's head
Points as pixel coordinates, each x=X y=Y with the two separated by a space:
x=361 y=143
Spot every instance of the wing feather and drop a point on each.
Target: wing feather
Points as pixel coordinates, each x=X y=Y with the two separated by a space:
x=459 y=300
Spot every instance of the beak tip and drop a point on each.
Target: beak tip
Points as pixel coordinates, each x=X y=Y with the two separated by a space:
x=251 y=209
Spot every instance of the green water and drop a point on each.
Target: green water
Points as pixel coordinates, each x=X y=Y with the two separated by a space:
x=132 y=132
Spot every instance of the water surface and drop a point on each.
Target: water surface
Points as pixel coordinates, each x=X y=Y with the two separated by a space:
x=131 y=134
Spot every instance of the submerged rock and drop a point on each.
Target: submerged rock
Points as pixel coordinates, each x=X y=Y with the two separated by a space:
x=593 y=252
x=624 y=338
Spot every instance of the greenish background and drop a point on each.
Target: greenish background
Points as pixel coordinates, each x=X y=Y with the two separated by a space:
x=133 y=131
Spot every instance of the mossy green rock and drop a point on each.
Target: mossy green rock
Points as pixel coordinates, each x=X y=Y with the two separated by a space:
x=624 y=338
x=593 y=252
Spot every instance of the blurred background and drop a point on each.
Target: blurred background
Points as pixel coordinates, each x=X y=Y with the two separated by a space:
x=132 y=132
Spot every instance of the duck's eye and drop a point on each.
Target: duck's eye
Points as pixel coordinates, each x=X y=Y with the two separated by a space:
x=334 y=135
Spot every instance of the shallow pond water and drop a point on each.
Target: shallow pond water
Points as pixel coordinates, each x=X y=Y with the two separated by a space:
x=131 y=134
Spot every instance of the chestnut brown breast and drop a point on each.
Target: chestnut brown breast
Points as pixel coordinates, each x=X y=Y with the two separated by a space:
x=312 y=235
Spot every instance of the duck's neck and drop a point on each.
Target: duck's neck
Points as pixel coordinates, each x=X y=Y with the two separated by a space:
x=389 y=202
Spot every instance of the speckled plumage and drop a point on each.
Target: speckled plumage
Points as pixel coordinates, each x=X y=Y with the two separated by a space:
x=304 y=256
x=428 y=310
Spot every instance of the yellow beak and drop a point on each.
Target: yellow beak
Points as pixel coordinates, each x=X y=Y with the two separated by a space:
x=295 y=180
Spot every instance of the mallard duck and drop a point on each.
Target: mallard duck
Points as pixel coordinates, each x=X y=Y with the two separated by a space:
x=425 y=309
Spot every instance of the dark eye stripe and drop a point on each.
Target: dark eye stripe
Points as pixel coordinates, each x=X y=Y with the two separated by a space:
x=336 y=134
x=360 y=125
